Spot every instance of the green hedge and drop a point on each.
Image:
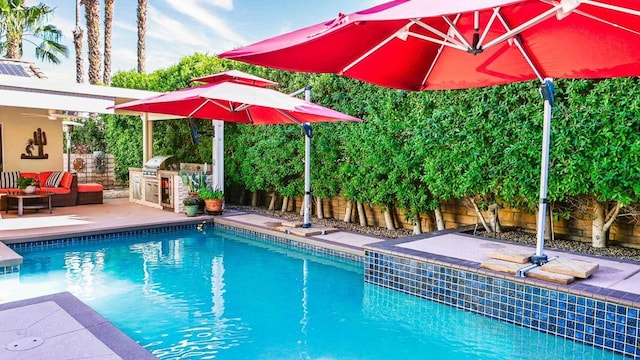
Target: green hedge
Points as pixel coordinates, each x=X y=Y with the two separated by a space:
x=414 y=149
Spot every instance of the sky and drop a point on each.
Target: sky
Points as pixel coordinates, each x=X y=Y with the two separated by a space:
x=179 y=28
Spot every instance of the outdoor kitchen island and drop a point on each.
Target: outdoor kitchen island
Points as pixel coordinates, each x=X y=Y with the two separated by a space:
x=158 y=184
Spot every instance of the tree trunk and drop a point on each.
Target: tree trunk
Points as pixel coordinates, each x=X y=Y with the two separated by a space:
x=362 y=216
x=92 y=16
x=77 y=41
x=285 y=204
x=548 y=234
x=319 y=208
x=348 y=211
x=108 y=26
x=13 y=46
x=602 y=223
x=243 y=195
x=142 y=33
x=482 y=220
x=254 y=198
x=494 y=220
x=440 y=225
x=272 y=203
x=417 y=224
x=302 y=207
x=388 y=217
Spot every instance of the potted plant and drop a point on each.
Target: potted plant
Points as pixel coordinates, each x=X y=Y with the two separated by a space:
x=213 y=199
x=194 y=181
x=190 y=205
x=27 y=184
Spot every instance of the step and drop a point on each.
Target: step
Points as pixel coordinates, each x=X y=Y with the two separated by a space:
x=578 y=268
x=312 y=231
x=536 y=273
x=512 y=255
x=541 y=274
x=503 y=266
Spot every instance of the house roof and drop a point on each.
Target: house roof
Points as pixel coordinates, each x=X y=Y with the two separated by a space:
x=20 y=68
x=44 y=95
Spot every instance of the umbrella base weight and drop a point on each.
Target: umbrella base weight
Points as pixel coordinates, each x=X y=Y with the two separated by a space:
x=539 y=259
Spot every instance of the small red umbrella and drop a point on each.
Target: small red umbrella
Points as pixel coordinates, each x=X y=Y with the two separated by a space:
x=234 y=96
x=434 y=44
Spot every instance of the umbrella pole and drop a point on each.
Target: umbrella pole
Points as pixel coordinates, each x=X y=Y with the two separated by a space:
x=307 y=165
x=546 y=89
x=68 y=133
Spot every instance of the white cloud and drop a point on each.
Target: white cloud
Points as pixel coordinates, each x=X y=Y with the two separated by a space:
x=126 y=26
x=202 y=15
x=170 y=30
x=224 y=4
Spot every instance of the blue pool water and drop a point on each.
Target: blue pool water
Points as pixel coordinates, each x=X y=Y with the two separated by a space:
x=217 y=294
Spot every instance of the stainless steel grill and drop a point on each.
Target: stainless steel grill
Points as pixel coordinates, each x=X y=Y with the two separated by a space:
x=162 y=162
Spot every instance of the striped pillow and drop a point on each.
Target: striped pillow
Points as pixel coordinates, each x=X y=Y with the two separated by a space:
x=54 y=179
x=9 y=179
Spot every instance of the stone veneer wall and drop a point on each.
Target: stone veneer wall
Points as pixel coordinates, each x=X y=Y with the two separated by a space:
x=456 y=215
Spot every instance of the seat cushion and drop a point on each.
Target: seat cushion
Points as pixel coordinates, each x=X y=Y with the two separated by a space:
x=82 y=188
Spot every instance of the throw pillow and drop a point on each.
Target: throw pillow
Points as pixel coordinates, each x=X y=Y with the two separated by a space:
x=54 y=179
x=9 y=179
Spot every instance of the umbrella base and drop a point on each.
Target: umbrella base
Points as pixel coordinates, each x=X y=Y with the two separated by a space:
x=539 y=259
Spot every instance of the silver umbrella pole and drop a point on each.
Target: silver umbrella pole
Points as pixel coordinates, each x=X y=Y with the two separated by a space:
x=307 y=164
x=546 y=89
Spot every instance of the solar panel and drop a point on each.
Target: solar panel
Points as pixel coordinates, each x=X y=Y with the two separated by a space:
x=13 y=69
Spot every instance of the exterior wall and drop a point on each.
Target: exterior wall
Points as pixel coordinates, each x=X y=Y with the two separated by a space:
x=17 y=129
x=456 y=214
x=88 y=174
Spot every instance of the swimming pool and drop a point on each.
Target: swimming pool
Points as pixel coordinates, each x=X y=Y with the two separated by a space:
x=218 y=294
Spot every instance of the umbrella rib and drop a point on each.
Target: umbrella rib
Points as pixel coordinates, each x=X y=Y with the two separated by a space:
x=520 y=47
x=432 y=66
x=489 y=25
x=445 y=37
x=372 y=50
x=612 y=7
x=228 y=108
x=198 y=108
x=595 y=18
x=518 y=29
x=289 y=116
x=453 y=27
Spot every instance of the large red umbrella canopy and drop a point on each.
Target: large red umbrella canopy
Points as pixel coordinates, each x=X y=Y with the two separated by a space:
x=436 y=44
x=232 y=101
x=429 y=44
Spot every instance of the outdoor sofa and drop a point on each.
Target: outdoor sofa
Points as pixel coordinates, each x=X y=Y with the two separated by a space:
x=63 y=184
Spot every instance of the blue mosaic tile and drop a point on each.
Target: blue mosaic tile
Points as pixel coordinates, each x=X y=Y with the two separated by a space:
x=576 y=317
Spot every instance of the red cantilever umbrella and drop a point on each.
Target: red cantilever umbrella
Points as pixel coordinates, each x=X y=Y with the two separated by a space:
x=434 y=44
x=234 y=96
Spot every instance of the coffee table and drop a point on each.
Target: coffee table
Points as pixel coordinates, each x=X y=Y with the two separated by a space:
x=42 y=201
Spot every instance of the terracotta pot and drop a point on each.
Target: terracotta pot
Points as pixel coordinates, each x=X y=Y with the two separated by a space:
x=213 y=205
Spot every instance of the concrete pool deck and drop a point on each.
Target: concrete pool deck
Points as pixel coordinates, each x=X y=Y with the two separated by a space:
x=616 y=279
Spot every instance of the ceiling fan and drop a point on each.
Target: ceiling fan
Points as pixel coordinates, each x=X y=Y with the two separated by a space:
x=60 y=114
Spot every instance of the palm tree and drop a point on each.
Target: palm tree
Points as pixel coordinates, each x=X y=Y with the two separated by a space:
x=92 y=16
x=108 y=25
x=20 y=23
x=77 y=41
x=142 y=30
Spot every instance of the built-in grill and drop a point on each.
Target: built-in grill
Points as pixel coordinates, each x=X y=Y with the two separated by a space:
x=161 y=162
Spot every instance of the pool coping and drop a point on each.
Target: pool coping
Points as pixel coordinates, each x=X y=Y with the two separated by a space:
x=105 y=332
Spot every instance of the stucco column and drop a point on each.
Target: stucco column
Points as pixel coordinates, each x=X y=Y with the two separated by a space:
x=147 y=138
